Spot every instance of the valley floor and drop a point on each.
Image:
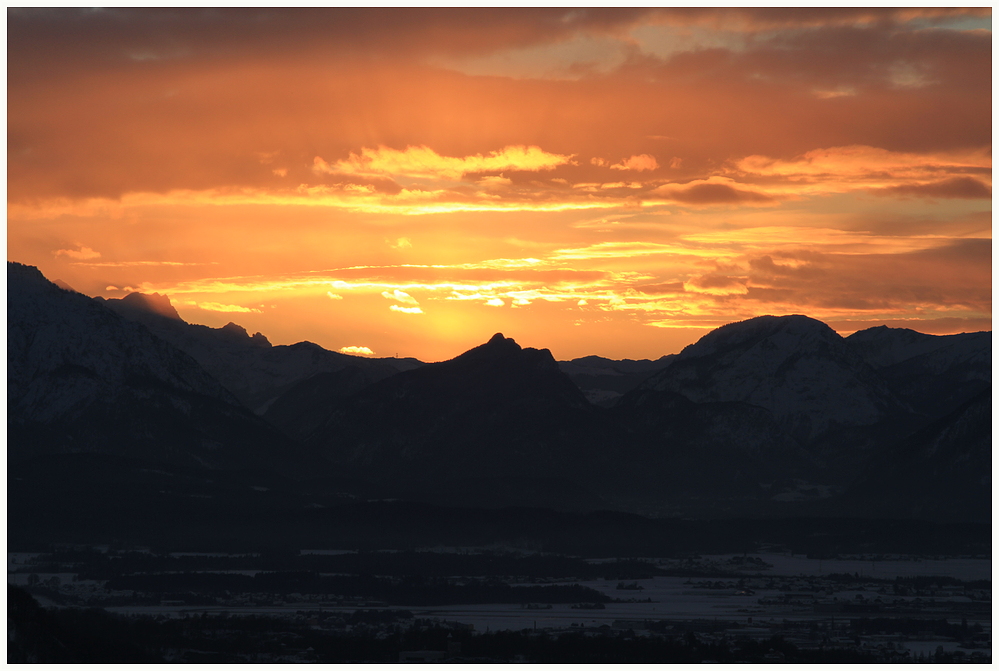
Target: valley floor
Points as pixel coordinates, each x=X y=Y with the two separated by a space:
x=762 y=607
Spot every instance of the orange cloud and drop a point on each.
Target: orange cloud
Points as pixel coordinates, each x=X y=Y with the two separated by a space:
x=716 y=285
x=865 y=164
x=638 y=163
x=81 y=253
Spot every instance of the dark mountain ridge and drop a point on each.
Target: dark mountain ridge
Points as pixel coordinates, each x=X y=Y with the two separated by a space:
x=764 y=415
x=933 y=374
x=255 y=371
x=603 y=381
x=498 y=410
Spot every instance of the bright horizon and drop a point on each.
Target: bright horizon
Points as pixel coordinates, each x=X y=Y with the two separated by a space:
x=610 y=182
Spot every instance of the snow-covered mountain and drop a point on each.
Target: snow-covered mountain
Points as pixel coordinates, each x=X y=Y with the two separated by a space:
x=934 y=374
x=82 y=379
x=249 y=366
x=796 y=367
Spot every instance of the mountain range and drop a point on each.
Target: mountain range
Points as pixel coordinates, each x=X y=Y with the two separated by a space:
x=773 y=416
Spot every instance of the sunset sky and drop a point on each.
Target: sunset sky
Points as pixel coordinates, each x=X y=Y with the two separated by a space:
x=611 y=182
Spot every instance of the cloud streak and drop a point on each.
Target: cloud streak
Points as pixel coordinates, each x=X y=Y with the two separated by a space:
x=426 y=163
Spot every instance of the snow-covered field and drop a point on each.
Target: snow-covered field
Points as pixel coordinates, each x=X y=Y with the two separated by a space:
x=793 y=565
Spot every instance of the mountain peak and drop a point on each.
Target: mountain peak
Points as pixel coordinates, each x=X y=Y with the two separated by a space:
x=158 y=304
x=736 y=334
x=797 y=367
x=235 y=329
x=496 y=347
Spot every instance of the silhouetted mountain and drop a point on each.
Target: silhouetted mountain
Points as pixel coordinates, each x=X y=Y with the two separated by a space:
x=249 y=366
x=496 y=411
x=934 y=374
x=82 y=379
x=603 y=381
x=757 y=417
x=301 y=410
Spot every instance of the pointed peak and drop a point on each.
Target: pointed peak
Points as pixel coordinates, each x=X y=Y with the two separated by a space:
x=497 y=346
x=499 y=341
x=158 y=304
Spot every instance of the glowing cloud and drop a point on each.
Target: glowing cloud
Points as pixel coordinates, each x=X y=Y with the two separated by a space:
x=356 y=350
x=408 y=311
x=637 y=163
x=424 y=162
x=220 y=307
x=400 y=296
x=81 y=254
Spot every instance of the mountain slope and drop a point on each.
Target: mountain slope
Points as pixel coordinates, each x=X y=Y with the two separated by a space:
x=934 y=374
x=943 y=471
x=249 y=366
x=496 y=411
x=794 y=366
x=82 y=379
